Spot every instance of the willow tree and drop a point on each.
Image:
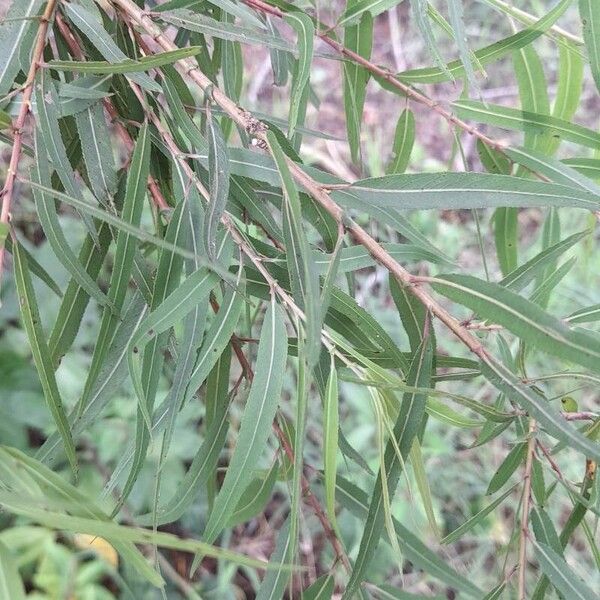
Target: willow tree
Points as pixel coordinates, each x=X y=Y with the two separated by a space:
x=220 y=271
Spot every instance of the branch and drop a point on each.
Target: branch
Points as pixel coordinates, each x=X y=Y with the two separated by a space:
x=525 y=512
x=8 y=190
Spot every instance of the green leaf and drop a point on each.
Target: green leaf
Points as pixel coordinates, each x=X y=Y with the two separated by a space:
x=301 y=267
x=404 y=140
x=355 y=10
x=520 y=120
x=223 y=30
x=255 y=498
x=460 y=190
x=589 y=12
x=145 y=63
x=276 y=580
x=359 y=39
x=96 y=146
x=476 y=519
x=218 y=173
x=560 y=574
x=506 y=232
x=321 y=589
x=356 y=501
x=304 y=28
x=32 y=323
x=408 y=422
x=525 y=319
x=508 y=466
x=585 y=315
x=11 y=584
x=12 y=38
x=256 y=421
x=521 y=276
x=456 y=15
x=488 y=54
x=420 y=14
x=330 y=441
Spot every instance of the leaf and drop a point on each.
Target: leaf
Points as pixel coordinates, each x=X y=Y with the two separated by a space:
x=355 y=10
x=275 y=581
x=301 y=267
x=223 y=30
x=46 y=211
x=330 y=441
x=460 y=190
x=520 y=277
x=12 y=39
x=488 y=54
x=476 y=519
x=359 y=39
x=255 y=498
x=41 y=356
x=508 y=466
x=418 y=466
x=456 y=14
x=525 y=319
x=218 y=173
x=304 y=28
x=93 y=28
x=97 y=152
x=404 y=140
x=506 y=237
x=589 y=12
x=256 y=421
x=355 y=501
x=560 y=574
x=585 y=315
x=11 y=584
x=408 y=421
x=146 y=63
x=520 y=120
x=321 y=589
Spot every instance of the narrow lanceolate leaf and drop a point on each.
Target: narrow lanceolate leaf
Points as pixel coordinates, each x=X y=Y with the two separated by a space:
x=92 y=27
x=404 y=140
x=538 y=407
x=223 y=30
x=41 y=355
x=456 y=14
x=301 y=266
x=525 y=319
x=585 y=315
x=305 y=30
x=408 y=422
x=516 y=280
x=125 y=250
x=560 y=574
x=420 y=14
x=255 y=498
x=146 y=63
x=12 y=35
x=46 y=210
x=96 y=146
x=476 y=519
x=321 y=589
x=358 y=38
x=355 y=500
x=11 y=584
x=355 y=10
x=590 y=18
x=460 y=190
x=330 y=440
x=508 y=466
x=518 y=120
x=255 y=427
x=276 y=580
x=506 y=238
x=488 y=54
x=218 y=173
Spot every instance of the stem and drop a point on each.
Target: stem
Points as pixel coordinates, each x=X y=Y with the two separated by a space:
x=9 y=185
x=525 y=511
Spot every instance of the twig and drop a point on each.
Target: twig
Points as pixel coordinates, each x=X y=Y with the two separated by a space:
x=525 y=511
x=9 y=185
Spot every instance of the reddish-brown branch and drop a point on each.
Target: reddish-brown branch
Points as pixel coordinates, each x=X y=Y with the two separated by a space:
x=9 y=185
